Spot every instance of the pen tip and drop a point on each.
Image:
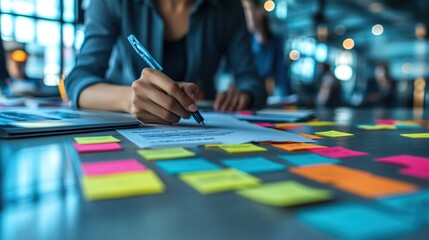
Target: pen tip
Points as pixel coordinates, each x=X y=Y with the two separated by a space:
x=204 y=125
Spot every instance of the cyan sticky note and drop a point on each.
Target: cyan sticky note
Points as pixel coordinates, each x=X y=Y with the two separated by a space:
x=187 y=165
x=356 y=221
x=253 y=165
x=308 y=159
x=415 y=204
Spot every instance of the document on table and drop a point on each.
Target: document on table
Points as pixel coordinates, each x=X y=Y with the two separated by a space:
x=221 y=129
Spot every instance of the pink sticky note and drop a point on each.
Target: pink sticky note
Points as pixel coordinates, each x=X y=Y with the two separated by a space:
x=385 y=121
x=111 y=167
x=405 y=160
x=337 y=152
x=102 y=147
x=268 y=125
x=291 y=127
x=416 y=172
x=245 y=112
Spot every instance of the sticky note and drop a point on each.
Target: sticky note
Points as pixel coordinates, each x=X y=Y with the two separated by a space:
x=165 y=153
x=282 y=125
x=356 y=221
x=422 y=173
x=267 y=125
x=407 y=126
x=338 y=152
x=241 y=148
x=291 y=127
x=219 y=181
x=95 y=140
x=334 y=134
x=187 y=165
x=121 y=185
x=253 y=165
x=308 y=159
x=416 y=135
x=416 y=204
x=286 y=193
x=309 y=136
x=291 y=147
x=405 y=160
x=319 y=124
x=385 y=121
x=357 y=182
x=101 y=147
x=376 y=127
x=112 y=167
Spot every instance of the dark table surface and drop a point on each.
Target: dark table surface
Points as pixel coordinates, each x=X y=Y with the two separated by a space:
x=40 y=193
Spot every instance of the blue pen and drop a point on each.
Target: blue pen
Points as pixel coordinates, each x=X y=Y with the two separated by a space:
x=155 y=65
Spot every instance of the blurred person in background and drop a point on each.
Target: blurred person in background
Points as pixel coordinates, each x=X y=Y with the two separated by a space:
x=382 y=92
x=4 y=75
x=330 y=93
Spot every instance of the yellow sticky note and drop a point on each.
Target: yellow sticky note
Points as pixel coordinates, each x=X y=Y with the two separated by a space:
x=319 y=124
x=286 y=193
x=166 y=153
x=334 y=134
x=241 y=148
x=211 y=146
x=281 y=125
x=96 y=140
x=219 y=181
x=121 y=185
x=377 y=127
x=416 y=135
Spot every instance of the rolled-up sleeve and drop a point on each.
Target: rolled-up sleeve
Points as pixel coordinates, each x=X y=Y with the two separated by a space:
x=101 y=33
x=240 y=57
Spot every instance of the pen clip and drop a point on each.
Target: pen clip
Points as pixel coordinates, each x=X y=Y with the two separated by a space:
x=138 y=47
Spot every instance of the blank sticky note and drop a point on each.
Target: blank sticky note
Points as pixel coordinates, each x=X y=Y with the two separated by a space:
x=253 y=165
x=416 y=204
x=241 y=148
x=291 y=127
x=405 y=160
x=356 y=221
x=112 y=167
x=416 y=135
x=286 y=193
x=319 y=124
x=334 y=134
x=101 y=147
x=219 y=181
x=187 y=165
x=291 y=147
x=338 y=152
x=385 y=121
x=308 y=159
x=262 y=124
x=376 y=127
x=422 y=173
x=407 y=126
x=309 y=136
x=121 y=185
x=166 y=153
x=96 y=140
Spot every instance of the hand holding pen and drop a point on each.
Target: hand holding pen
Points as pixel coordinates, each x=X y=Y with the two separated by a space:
x=157 y=98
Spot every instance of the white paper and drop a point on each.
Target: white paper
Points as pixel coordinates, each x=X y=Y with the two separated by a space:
x=221 y=129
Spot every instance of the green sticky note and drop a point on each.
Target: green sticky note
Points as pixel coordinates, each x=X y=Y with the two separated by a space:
x=121 y=185
x=286 y=193
x=319 y=124
x=241 y=148
x=166 y=153
x=219 y=181
x=376 y=127
x=334 y=134
x=96 y=140
x=416 y=135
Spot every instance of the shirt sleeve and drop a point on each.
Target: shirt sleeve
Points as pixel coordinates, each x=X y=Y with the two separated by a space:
x=240 y=58
x=101 y=32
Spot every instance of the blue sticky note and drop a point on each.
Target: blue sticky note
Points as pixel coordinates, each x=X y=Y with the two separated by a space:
x=399 y=126
x=416 y=205
x=308 y=159
x=186 y=165
x=355 y=221
x=253 y=165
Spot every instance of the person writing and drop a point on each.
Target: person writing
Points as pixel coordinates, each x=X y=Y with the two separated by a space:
x=188 y=37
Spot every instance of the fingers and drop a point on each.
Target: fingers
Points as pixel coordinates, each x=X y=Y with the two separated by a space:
x=232 y=100
x=192 y=91
x=149 y=112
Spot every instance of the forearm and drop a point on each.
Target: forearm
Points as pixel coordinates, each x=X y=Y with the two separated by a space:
x=103 y=96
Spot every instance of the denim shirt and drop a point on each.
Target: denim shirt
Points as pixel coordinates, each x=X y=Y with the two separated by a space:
x=217 y=28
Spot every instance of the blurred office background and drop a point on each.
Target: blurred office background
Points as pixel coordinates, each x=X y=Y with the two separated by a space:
x=350 y=37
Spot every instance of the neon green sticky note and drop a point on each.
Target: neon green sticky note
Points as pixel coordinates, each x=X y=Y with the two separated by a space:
x=334 y=134
x=96 y=140
x=166 y=153
x=219 y=181
x=319 y=124
x=286 y=193
x=377 y=127
x=416 y=135
x=121 y=185
x=241 y=148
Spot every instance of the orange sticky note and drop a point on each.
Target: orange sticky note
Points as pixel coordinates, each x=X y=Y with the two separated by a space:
x=296 y=146
x=309 y=136
x=328 y=173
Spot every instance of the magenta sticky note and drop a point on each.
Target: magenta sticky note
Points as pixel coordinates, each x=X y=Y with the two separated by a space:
x=405 y=160
x=112 y=167
x=385 y=121
x=416 y=172
x=102 y=147
x=337 y=152
x=262 y=124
